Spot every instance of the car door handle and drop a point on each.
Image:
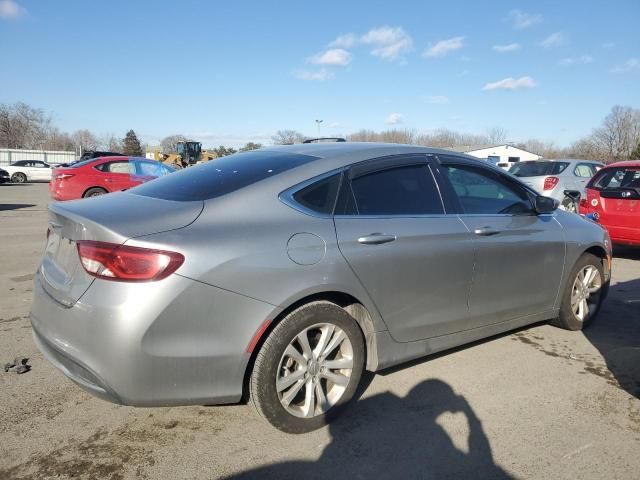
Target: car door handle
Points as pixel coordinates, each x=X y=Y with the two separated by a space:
x=486 y=231
x=376 y=239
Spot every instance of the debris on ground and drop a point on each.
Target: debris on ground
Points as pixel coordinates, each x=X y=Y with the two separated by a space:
x=19 y=365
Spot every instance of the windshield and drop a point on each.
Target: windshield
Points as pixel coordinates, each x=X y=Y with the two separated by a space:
x=221 y=176
x=614 y=178
x=537 y=169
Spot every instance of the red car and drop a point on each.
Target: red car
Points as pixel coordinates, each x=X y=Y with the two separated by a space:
x=98 y=176
x=613 y=200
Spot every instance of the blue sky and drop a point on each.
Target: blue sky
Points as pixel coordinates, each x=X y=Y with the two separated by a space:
x=229 y=72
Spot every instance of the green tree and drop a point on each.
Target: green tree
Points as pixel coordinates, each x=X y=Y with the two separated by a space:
x=132 y=145
x=251 y=146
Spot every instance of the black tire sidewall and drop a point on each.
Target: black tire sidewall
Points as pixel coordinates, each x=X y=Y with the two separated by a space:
x=567 y=318
x=92 y=191
x=18 y=177
x=263 y=388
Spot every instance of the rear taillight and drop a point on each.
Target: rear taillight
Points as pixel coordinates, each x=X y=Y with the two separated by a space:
x=550 y=183
x=110 y=261
x=62 y=176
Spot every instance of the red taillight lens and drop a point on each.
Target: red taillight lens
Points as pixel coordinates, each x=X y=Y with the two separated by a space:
x=127 y=264
x=62 y=176
x=550 y=183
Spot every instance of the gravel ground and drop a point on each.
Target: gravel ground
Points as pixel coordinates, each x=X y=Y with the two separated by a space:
x=536 y=403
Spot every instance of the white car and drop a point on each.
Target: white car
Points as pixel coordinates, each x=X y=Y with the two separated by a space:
x=29 y=171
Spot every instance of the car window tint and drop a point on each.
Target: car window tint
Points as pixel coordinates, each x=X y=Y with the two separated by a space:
x=583 y=170
x=152 y=169
x=533 y=168
x=612 y=178
x=117 y=167
x=484 y=192
x=221 y=176
x=319 y=196
x=408 y=190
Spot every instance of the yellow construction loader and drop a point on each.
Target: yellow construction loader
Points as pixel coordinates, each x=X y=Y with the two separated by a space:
x=185 y=154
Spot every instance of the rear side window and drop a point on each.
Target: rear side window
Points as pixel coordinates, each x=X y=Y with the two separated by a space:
x=584 y=170
x=319 y=197
x=484 y=192
x=221 y=176
x=614 y=178
x=115 y=167
x=537 y=169
x=409 y=190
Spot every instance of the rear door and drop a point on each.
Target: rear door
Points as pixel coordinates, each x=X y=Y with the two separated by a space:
x=519 y=254
x=415 y=260
x=117 y=175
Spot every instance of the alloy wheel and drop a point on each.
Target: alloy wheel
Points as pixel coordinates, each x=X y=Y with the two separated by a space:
x=585 y=293
x=314 y=370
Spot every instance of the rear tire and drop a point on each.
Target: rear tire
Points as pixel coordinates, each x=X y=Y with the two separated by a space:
x=94 y=192
x=18 y=177
x=299 y=388
x=583 y=294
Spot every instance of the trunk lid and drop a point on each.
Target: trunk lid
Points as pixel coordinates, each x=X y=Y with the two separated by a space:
x=113 y=218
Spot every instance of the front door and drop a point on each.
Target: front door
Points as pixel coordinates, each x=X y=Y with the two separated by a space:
x=519 y=254
x=415 y=261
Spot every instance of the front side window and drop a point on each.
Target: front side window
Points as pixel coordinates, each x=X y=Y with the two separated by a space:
x=409 y=190
x=151 y=169
x=484 y=192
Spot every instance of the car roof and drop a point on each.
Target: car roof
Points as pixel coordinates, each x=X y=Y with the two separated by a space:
x=334 y=149
x=570 y=160
x=627 y=163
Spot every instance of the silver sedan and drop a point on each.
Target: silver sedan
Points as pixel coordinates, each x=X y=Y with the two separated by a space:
x=281 y=274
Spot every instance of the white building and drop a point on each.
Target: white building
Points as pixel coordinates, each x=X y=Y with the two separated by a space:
x=501 y=155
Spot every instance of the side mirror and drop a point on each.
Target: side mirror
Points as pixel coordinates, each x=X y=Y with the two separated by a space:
x=545 y=204
x=573 y=195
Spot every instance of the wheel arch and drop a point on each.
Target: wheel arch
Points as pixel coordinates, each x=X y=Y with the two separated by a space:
x=348 y=302
x=92 y=187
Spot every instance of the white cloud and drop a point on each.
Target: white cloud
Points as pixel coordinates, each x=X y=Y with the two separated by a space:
x=437 y=99
x=631 y=65
x=394 y=119
x=554 y=40
x=511 y=84
x=444 y=46
x=520 y=19
x=10 y=10
x=389 y=42
x=348 y=40
x=336 y=57
x=511 y=47
x=609 y=45
x=567 y=62
x=317 y=75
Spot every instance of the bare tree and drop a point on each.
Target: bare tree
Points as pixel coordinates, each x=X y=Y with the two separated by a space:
x=85 y=140
x=168 y=144
x=111 y=143
x=22 y=126
x=496 y=135
x=287 y=137
x=619 y=134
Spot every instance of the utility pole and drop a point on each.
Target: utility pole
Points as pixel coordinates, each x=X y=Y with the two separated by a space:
x=318 y=122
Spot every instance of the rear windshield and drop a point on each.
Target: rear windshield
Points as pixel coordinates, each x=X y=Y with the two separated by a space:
x=613 y=178
x=221 y=176
x=537 y=169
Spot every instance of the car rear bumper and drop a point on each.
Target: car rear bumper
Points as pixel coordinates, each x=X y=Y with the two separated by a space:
x=173 y=342
x=624 y=235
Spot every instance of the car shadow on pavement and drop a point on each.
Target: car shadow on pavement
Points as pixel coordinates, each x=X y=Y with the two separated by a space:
x=386 y=436
x=15 y=206
x=616 y=334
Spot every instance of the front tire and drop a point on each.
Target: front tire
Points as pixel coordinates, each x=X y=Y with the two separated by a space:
x=583 y=294
x=308 y=368
x=18 y=177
